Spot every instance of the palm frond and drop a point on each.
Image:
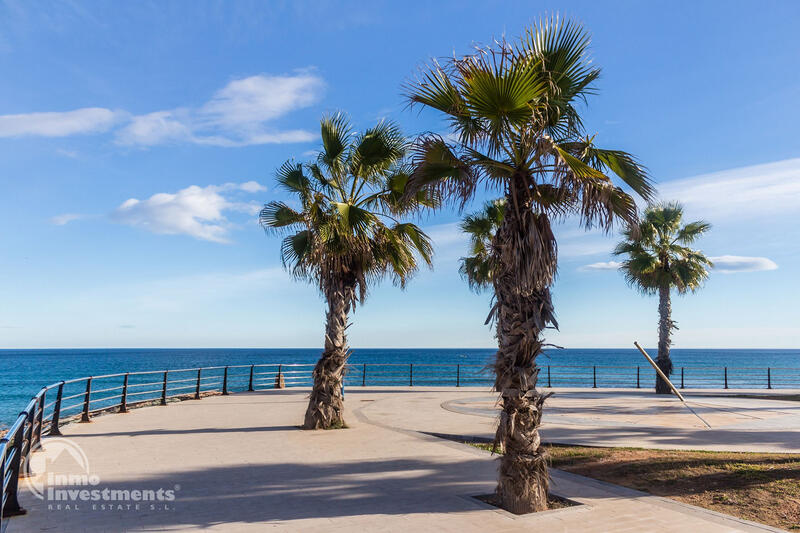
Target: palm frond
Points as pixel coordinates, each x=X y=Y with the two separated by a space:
x=279 y=215
x=439 y=169
x=291 y=178
x=377 y=150
x=336 y=132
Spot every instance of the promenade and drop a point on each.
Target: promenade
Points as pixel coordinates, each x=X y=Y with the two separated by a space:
x=239 y=463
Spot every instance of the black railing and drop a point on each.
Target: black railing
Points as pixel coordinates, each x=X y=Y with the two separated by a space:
x=81 y=399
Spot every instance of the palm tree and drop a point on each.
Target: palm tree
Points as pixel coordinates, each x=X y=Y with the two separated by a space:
x=345 y=236
x=658 y=260
x=481 y=227
x=515 y=128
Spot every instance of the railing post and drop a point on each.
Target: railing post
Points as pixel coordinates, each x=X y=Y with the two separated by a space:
x=123 y=404
x=37 y=435
x=364 y=376
x=197 y=389
x=594 y=377
x=12 y=506
x=458 y=375
x=30 y=417
x=681 y=377
x=164 y=389
x=411 y=375
x=278 y=379
x=549 y=381
x=769 y=378
x=638 y=378
x=87 y=398
x=54 y=431
x=726 y=377
x=225 y=382
x=250 y=385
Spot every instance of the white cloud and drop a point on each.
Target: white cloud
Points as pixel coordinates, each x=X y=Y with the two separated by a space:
x=239 y=114
x=195 y=211
x=723 y=263
x=155 y=128
x=66 y=218
x=729 y=264
x=258 y=99
x=59 y=124
x=746 y=192
x=602 y=265
x=252 y=187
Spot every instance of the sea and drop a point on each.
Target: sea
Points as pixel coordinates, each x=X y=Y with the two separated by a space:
x=24 y=372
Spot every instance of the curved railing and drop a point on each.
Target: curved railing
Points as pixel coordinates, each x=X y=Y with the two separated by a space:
x=80 y=399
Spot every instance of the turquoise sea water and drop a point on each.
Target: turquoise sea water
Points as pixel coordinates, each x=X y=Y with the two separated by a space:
x=24 y=372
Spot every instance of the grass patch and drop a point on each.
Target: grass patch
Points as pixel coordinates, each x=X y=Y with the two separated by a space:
x=762 y=487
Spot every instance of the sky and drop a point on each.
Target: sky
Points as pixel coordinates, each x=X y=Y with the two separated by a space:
x=138 y=141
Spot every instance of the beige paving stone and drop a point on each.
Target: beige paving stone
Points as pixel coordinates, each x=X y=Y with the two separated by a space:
x=239 y=463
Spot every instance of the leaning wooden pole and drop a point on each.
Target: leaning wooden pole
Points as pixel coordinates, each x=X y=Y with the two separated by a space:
x=668 y=382
x=660 y=373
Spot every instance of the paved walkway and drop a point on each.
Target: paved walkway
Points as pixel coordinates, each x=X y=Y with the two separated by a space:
x=613 y=417
x=238 y=463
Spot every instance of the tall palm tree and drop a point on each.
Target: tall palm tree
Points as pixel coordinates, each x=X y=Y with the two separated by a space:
x=658 y=260
x=512 y=110
x=345 y=236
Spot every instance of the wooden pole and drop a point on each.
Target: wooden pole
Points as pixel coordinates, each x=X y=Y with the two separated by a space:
x=660 y=373
x=666 y=379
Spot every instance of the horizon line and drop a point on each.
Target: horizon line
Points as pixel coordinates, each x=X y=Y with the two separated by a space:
x=370 y=348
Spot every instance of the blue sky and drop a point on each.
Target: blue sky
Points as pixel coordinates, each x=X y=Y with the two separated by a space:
x=138 y=139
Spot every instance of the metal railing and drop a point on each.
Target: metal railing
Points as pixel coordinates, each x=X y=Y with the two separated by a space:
x=81 y=399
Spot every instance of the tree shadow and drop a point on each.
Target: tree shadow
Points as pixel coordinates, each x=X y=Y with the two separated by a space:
x=275 y=493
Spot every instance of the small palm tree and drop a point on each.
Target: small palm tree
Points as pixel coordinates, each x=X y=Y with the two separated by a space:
x=481 y=228
x=659 y=260
x=516 y=128
x=345 y=237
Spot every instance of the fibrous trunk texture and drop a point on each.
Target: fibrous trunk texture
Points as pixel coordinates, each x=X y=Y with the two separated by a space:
x=526 y=253
x=665 y=327
x=326 y=404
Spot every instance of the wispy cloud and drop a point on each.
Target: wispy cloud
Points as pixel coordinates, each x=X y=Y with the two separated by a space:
x=66 y=218
x=240 y=114
x=187 y=292
x=602 y=265
x=726 y=264
x=729 y=264
x=195 y=211
x=446 y=234
x=72 y=154
x=746 y=192
x=59 y=124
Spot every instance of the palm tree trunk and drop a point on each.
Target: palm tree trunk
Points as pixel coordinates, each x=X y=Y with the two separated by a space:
x=665 y=326
x=526 y=254
x=326 y=404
